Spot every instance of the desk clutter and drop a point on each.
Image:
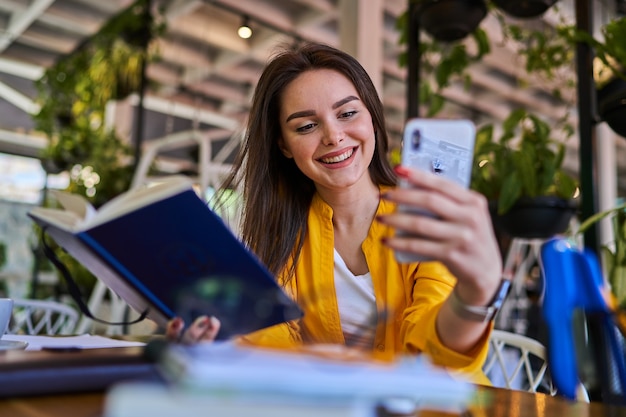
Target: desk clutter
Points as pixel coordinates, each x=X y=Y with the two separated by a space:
x=228 y=379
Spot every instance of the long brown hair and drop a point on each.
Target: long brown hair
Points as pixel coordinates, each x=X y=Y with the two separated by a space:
x=276 y=194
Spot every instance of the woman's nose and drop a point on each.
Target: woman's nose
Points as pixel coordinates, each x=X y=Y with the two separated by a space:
x=332 y=135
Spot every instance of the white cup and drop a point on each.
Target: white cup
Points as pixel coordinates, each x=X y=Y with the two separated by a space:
x=6 y=308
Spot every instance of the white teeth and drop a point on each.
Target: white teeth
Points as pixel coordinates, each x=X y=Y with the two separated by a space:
x=338 y=158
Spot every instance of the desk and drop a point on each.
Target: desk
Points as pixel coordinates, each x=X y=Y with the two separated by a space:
x=504 y=403
x=494 y=402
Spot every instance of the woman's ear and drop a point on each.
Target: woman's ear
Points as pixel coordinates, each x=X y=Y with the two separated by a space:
x=284 y=149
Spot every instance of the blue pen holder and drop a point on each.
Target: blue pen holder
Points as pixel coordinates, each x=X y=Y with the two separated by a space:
x=573 y=280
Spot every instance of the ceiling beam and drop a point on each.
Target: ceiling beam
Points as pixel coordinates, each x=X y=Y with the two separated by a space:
x=21 y=69
x=188 y=112
x=20 y=21
x=18 y=99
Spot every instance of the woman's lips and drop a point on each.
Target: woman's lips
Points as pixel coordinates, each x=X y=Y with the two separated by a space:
x=337 y=158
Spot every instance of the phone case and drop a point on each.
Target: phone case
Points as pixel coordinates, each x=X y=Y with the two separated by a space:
x=443 y=147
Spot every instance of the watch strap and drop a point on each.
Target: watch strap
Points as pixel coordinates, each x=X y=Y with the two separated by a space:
x=480 y=313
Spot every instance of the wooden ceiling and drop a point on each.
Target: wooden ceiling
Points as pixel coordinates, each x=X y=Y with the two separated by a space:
x=206 y=72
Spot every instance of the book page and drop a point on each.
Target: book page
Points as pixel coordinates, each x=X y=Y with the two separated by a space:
x=75 y=203
x=63 y=219
x=78 y=214
x=137 y=198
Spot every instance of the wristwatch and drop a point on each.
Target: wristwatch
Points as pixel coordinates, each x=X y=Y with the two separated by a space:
x=480 y=313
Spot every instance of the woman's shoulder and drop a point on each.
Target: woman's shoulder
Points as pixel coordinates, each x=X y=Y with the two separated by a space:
x=385 y=206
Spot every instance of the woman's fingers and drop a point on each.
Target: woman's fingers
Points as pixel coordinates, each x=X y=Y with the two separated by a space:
x=174 y=329
x=203 y=329
x=431 y=182
x=459 y=233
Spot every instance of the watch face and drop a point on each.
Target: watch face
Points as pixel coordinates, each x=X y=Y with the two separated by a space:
x=503 y=291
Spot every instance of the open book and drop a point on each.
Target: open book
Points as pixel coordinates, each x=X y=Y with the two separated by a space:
x=167 y=254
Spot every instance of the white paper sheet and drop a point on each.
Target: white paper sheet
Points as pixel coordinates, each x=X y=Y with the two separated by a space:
x=85 y=341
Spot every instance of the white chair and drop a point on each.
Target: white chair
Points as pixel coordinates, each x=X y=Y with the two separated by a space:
x=42 y=317
x=510 y=364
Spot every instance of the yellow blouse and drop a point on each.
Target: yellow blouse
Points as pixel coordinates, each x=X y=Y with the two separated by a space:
x=408 y=298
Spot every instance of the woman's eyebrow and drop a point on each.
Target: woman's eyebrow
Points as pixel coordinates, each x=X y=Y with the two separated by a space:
x=344 y=101
x=307 y=113
x=304 y=113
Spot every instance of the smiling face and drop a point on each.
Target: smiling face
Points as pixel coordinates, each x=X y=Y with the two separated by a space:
x=327 y=129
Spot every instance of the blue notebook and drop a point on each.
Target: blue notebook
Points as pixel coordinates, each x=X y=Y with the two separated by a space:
x=167 y=254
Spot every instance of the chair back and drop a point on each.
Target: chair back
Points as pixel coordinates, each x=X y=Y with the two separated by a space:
x=42 y=317
x=519 y=362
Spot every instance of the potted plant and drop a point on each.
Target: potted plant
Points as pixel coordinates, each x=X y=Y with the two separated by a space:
x=524 y=9
x=521 y=174
x=449 y=20
x=614 y=255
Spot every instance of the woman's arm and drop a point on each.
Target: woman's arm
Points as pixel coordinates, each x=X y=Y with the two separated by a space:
x=461 y=237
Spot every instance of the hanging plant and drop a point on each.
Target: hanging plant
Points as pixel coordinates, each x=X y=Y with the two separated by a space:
x=526 y=161
x=73 y=93
x=525 y=9
x=450 y=20
x=442 y=63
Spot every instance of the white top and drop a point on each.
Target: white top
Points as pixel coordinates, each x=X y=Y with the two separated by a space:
x=357 y=305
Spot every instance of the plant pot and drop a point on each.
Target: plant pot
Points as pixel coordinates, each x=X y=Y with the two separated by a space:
x=612 y=105
x=534 y=218
x=450 y=20
x=524 y=9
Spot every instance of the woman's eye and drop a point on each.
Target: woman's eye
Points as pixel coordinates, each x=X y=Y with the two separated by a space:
x=348 y=114
x=305 y=128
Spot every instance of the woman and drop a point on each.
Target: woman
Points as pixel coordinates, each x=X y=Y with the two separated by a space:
x=319 y=211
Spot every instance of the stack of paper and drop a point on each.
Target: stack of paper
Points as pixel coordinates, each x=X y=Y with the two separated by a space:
x=225 y=379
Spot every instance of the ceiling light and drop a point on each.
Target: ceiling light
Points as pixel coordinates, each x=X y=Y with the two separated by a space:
x=244 y=30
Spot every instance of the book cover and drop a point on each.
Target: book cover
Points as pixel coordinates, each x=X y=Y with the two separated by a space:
x=166 y=252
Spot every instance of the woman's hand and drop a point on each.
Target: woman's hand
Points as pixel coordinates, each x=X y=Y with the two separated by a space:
x=203 y=329
x=460 y=236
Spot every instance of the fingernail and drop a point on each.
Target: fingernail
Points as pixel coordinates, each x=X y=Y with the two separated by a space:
x=177 y=324
x=203 y=322
x=401 y=171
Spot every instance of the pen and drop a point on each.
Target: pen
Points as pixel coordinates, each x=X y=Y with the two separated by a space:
x=61 y=348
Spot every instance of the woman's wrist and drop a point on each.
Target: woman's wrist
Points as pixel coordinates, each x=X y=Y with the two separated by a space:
x=479 y=312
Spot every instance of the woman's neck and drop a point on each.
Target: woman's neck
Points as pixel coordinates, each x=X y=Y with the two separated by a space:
x=354 y=205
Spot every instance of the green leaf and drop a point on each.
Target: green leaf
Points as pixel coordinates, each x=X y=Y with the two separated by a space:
x=511 y=192
x=541 y=129
x=597 y=217
x=512 y=121
x=523 y=161
x=484 y=135
x=436 y=104
x=482 y=42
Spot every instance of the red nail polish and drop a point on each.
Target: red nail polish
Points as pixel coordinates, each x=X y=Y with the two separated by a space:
x=401 y=171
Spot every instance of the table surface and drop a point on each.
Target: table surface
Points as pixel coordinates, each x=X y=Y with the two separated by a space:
x=502 y=403
x=491 y=402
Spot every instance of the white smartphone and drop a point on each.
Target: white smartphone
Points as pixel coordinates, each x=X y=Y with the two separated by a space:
x=443 y=147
